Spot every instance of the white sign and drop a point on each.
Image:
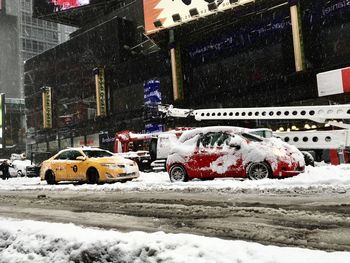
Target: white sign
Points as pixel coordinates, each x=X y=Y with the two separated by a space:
x=160 y=14
x=93 y=140
x=78 y=141
x=333 y=82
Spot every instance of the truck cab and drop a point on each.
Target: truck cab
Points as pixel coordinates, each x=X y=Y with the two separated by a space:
x=159 y=149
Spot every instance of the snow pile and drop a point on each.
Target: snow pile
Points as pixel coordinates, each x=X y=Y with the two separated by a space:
x=315 y=179
x=180 y=151
x=32 y=241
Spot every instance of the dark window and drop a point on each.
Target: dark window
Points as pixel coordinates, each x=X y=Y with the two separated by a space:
x=97 y=153
x=72 y=155
x=251 y=137
x=214 y=139
x=62 y=156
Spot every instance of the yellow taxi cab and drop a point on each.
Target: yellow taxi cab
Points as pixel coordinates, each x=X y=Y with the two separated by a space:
x=86 y=164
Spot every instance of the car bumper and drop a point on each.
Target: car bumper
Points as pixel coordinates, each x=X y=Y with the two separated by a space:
x=121 y=176
x=289 y=173
x=285 y=169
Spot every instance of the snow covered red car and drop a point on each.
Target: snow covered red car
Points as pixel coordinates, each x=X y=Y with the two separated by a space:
x=211 y=152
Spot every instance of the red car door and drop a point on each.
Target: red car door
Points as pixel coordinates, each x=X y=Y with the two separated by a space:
x=226 y=156
x=202 y=162
x=233 y=156
x=217 y=154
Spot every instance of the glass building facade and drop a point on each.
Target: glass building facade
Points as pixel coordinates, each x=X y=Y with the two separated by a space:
x=21 y=38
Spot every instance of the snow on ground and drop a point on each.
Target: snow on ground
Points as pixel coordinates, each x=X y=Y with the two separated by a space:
x=315 y=179
x=34 y=241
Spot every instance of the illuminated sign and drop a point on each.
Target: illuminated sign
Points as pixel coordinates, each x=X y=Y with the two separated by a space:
x=152 y=98
x=100 y=92
x=60 y=5
x=48 y=7
x=160 y=14
x=47 y=107
x=152 y=95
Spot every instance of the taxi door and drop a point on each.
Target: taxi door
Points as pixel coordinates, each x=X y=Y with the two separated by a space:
x=205 y=154
x=74 y=168
x=58 y=166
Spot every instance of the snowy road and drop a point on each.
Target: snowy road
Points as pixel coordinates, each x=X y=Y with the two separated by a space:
x=310 y=210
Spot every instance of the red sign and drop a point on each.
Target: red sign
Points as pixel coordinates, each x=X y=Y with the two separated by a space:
x=346 y=79
x=334 y=82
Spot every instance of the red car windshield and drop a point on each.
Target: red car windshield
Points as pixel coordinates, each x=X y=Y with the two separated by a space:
x=251 y=137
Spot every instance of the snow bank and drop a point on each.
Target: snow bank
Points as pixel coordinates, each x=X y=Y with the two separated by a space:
x=32 y=241
x=315 y=179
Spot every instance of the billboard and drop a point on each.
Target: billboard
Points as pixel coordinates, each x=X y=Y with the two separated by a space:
x=46 y=7
x=152 y=98
x=160 y=14
x=2 y=110
x=333 y=82
x=152 y=95
x=60 y=5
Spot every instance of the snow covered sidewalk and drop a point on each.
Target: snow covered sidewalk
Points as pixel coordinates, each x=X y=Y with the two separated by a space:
x=315 y=179
x=33 y=241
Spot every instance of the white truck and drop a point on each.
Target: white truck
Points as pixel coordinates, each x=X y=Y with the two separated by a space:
x=149 y=150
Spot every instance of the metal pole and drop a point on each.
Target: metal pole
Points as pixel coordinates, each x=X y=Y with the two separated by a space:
x=297 y=35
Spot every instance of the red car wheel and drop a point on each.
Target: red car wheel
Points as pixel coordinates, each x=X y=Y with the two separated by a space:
x=258 y=171
x=177 y=173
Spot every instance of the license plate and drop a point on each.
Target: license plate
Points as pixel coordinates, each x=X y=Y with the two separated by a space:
x=125 y=175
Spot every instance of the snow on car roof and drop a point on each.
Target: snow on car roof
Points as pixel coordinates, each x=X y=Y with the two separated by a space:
x=84 y=148
x=191 y=133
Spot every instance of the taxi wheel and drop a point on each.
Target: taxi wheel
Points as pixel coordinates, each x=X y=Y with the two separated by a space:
x=92 y=176
x=50 y=178
x=258 y=171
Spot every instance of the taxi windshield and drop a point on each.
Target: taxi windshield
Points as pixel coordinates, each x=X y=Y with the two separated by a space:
x=97 y=153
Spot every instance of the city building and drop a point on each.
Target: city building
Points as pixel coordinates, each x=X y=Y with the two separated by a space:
x=223 y=54
x=21 y=37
